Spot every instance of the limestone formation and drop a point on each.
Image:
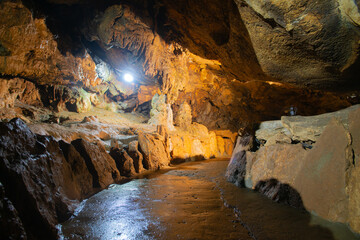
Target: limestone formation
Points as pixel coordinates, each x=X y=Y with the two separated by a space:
x=161 y=112
x=154 y=151
x=101 y=166
x=183 y=117
x=136 y=155
x=299 y=40
x=123 y=162
x=34 y=165
x=325 y=175
x=217 y=69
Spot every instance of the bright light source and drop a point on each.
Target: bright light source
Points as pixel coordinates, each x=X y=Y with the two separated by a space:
x=128 y=77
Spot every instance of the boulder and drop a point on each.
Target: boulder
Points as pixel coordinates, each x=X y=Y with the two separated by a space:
x=269 y=129
x=136 y=155
x=322 y=179
x=279 y=161
x=311 y=127
x=236 y=170
x=37 y=179
x=83 y=181
x=354 y=179
x=123 y=161
x=325 y=176
x=154 y=151
x=100 y=164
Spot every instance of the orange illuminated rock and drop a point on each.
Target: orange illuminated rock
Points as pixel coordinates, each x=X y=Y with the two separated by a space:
x=146 y=93
x=154 y=151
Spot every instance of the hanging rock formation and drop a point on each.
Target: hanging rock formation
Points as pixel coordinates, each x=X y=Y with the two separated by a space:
x=304 y=42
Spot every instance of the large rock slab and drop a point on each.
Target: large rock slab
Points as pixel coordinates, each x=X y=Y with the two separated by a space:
x=311 y=127
x=123 y=161
x=36 y=177
x=280 y=161
x=326 y=176
x=322 y=179
x=237 y=167
x=100 y=164
x=153 y=150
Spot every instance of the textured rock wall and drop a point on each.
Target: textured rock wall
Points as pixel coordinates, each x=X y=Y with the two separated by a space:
x=43 y=180
x=304 y=42
x=321 y=165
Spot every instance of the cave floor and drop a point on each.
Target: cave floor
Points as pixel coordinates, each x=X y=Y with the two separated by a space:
x=192 y=201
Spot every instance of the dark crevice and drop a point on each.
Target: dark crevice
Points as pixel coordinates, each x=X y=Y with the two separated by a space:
x=78 y=144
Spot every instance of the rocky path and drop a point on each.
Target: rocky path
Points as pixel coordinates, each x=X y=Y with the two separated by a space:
x=192 y=201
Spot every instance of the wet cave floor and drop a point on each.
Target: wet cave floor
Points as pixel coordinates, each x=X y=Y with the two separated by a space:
x=192 y=201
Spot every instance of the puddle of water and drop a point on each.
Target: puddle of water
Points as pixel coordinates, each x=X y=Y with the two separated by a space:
x=193 y=201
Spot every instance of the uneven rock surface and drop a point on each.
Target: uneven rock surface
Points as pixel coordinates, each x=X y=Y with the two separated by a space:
x=301 y=128
x=101 y=166
x=52 y=176
x=10 y=222
x=327 y=165
x=301 y=40
x=323 y=172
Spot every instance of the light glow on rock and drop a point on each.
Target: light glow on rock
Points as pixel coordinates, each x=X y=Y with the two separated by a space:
x=128 y=77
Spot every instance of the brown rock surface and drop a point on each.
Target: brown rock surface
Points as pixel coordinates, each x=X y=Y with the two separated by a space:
x=10 y=222
x=280 y=161
x=35 y=167
x=302 y=41
x=183 y=117
x=238 y=165
x=18 y=89
x=32 y=51
x=83 y=181
x=326 y=165
x=136 y=155
x=154 y=151
x=101 y=166
x=123 y=161
x=325 y=175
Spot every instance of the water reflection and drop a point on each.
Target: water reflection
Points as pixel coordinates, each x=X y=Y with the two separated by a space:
x=115 y=213
x=193 y=201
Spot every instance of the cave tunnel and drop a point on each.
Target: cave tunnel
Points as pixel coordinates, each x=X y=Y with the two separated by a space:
x=177 y=119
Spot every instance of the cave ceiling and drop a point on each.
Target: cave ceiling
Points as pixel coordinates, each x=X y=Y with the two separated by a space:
x=233 y=61
x=302 y=42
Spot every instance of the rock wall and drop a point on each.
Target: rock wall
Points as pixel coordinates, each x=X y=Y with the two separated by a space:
x=320 y=163
x=304 y=42
x=43 y=180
